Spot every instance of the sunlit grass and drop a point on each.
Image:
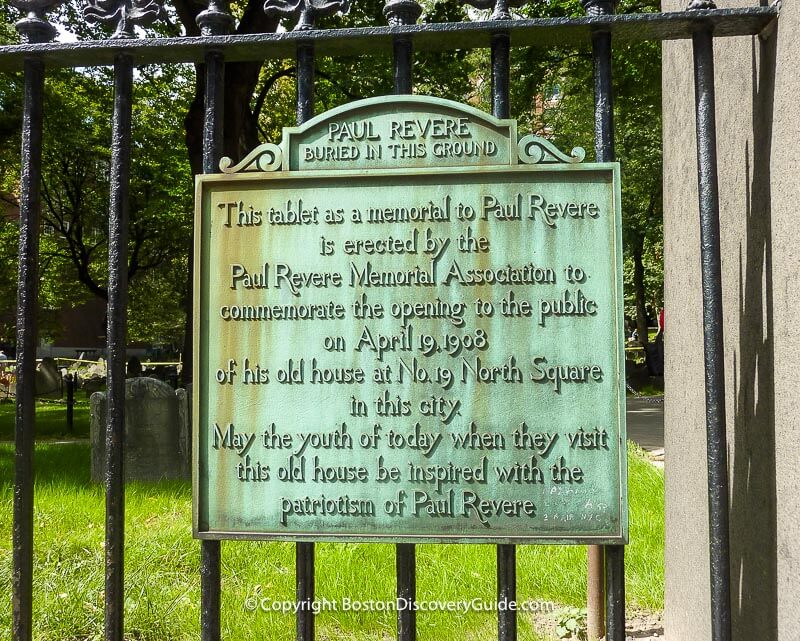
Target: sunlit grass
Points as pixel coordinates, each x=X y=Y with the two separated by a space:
x=51 y=419
x=162 y=566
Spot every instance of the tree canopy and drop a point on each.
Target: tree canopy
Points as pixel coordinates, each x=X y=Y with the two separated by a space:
x=560 y=83
x=551 y=95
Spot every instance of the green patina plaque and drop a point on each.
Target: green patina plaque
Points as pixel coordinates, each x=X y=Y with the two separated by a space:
x=416 y=336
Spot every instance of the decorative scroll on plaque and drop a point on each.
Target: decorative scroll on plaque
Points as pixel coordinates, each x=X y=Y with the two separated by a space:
x=409 y=327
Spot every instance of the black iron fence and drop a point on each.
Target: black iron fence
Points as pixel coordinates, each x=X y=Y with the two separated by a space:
x=701 y=23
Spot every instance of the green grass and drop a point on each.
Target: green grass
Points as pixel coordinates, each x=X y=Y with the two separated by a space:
x=162 y=565
x=51 y=419
x=647 y=390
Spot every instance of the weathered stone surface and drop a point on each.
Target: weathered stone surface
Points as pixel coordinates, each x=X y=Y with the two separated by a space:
x=757 y=81
x=156 y=431
x=48 y=379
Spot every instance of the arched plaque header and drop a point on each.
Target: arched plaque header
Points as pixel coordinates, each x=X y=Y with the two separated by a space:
x=401 y=131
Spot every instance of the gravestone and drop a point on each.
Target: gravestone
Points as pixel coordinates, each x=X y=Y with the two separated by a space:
x=134 y=368
x=48 y=379
x=156 y=431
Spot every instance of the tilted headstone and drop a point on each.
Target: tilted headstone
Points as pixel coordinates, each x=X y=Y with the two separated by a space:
x=48 y=379
x=156 y=431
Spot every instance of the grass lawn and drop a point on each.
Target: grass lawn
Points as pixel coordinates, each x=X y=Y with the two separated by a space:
x=162 y=566
x=51 y=419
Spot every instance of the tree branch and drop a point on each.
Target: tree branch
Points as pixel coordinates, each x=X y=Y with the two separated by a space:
x=268 y=84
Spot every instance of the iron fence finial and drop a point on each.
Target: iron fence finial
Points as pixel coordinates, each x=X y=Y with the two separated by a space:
x=123 y=14
x=402 y=12
x=34 y=27
x=305 y=12
x=501 y=9
x=696 y=5
x=216 y=20
x=599 y=7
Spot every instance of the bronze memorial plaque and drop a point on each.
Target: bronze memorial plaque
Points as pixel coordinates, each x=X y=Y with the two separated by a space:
x=409 y=328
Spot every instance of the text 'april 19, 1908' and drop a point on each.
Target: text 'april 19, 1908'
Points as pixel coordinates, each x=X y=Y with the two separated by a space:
x=425 y=354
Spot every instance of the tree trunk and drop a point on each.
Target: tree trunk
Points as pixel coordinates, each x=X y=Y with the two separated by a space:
x=240 y=136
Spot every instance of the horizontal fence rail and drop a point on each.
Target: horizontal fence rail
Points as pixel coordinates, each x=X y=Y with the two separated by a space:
x=545 y=32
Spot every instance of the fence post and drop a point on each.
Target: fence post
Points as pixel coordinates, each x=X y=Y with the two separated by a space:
x=399 y=13
x=605 y=559
x=71 y=403
x=713 y=340
x=506 y=554
x=117 y=341
x=213 y=21
x=304 y=551
x=33 y=28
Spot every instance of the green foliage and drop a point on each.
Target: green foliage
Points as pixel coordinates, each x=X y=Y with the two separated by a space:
x=553 y=96
x=9 y=234
x=571 y=624
x=8 y=34
x=653 y=263
x=75 y=187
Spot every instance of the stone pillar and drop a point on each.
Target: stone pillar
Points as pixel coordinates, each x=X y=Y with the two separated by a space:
x=757 y=87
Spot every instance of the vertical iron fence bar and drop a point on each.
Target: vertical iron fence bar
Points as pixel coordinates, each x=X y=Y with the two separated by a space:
x=604 y=148
x=613 y=623
x=305 y=82
x=501 y=64
x=611 y=558
x=603 y=97
x=713 y=347
x=403 y=54
x=210 y=597
x=304 y=591
x=210 y=551
x=117 y=330
x=406 y=566
x=33 y=28
x=403 y=12
x=615 y=592
x=214 y=111
x=399 y=13
x=506 y=592
x=304 y=551
x=215 y=20
x=27 y=302
x=506 y=554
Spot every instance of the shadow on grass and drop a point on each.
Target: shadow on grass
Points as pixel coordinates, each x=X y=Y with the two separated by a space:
x=68 y=465
x=51 y=420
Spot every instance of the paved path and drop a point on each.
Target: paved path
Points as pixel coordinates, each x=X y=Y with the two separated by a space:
x=646 y=425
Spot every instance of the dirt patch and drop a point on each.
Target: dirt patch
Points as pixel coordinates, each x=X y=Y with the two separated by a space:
x=640 y=625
